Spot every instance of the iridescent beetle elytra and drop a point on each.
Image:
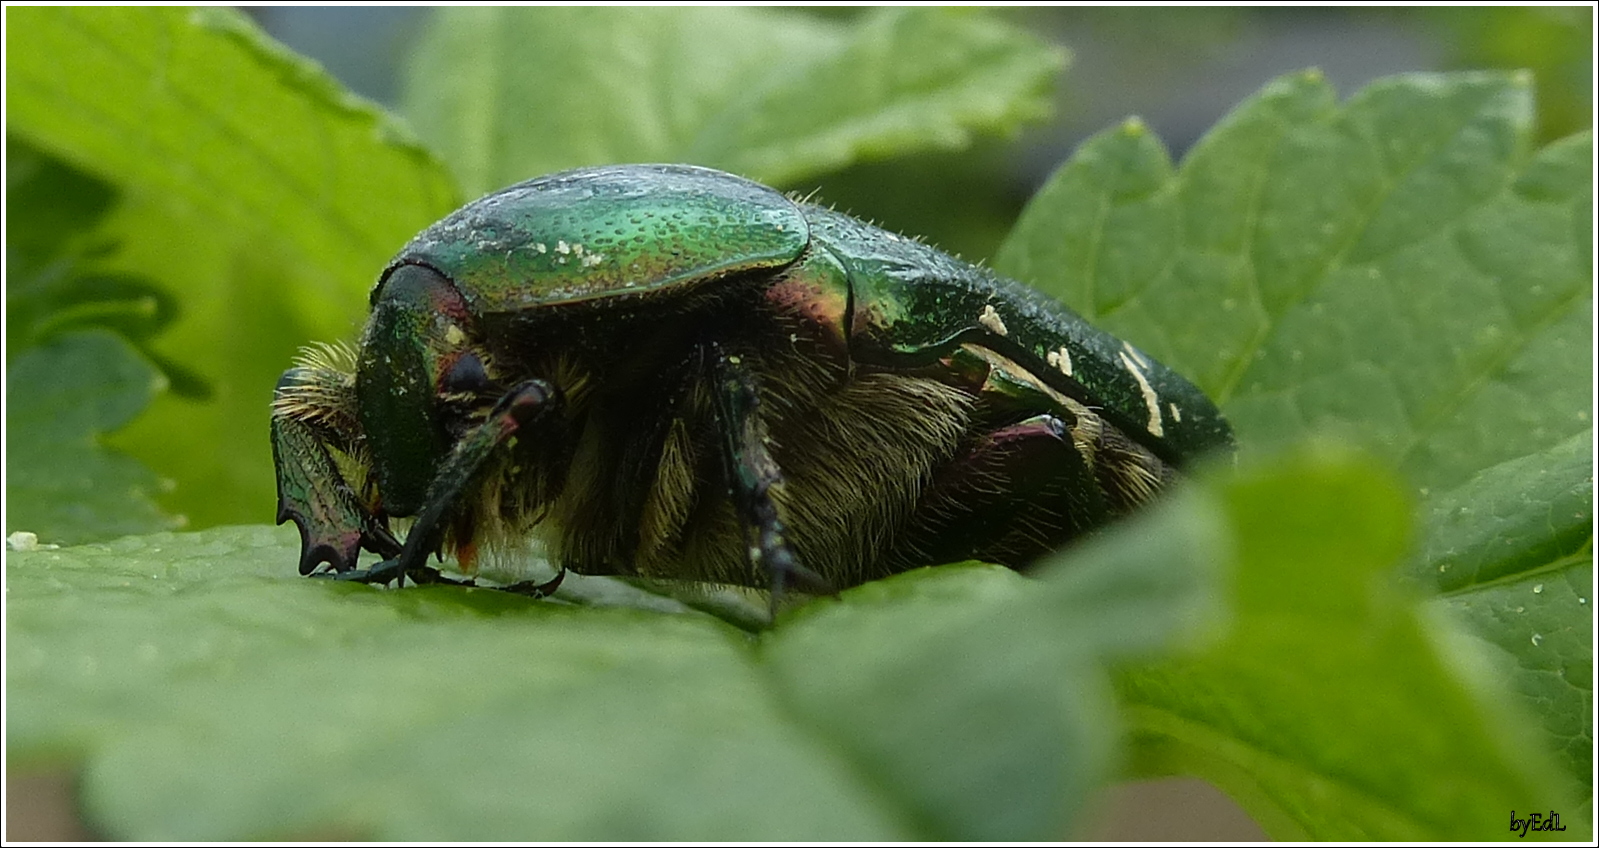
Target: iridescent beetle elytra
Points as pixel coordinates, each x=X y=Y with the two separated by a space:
x=673 y=372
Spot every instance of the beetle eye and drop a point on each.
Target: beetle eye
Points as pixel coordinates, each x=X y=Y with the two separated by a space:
x=466 y=376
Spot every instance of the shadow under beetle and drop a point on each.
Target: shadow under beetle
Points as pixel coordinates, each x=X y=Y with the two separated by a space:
x=673 y=372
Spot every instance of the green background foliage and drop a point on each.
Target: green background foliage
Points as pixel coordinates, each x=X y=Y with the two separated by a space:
x=1377 y=626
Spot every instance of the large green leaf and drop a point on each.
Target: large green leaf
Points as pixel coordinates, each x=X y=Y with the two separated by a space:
x=508 y=94
x=253 y=189
x=956 y=702
x=1401 y=269
x=1511 y=554
x=952 y=702
x=1337 y=708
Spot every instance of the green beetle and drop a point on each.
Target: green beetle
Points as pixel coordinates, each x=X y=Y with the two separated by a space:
x=673 y=372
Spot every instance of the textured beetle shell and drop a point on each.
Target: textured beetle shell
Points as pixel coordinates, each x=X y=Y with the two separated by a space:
x=601 y=232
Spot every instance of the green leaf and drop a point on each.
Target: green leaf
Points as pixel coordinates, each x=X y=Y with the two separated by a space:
x=1400 y=269
x=1555 y=43
x=1336 y=708
x=1510 y=520
x=62 y=203
x=1511 y=555
x=200 y=107
x=980 y=710
x=508 y=94
x=61 y=484
x=51 y=253
x=164 y=662
x=71 y=378
x=254 y=190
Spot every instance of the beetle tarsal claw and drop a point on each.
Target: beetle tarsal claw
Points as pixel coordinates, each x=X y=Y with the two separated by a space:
x=535 y=588
x=384 y=572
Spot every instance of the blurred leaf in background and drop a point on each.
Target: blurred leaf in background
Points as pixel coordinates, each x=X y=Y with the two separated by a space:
x=62 y=397
x=256 y=200
x=508 y=94
x=785 y=98
x=79 y=361
x=1554 y=42
x=51 y=255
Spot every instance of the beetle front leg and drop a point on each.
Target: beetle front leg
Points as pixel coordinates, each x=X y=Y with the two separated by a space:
x=333 y=524
x=462 y=471
x=752 y=475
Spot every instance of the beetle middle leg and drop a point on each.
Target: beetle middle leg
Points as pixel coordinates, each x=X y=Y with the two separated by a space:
x=752 y=475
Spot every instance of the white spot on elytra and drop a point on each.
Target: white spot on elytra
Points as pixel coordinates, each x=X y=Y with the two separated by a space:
x=1176 y=414
x=1137 y=357
x=1151 y=400
x=990 y=319
x=1061 y=359
x=539 y=246
x=593 y=259
x=562 y=248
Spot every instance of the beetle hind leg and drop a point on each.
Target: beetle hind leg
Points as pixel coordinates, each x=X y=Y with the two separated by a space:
x=752 y=475
x=1027 y=478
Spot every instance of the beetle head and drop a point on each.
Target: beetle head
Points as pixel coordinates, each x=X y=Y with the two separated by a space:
x=417 y=348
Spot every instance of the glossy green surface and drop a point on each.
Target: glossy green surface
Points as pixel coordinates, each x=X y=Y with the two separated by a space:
x=912 y=304
x=604 y=232
x=403 y=352
x=312 y=493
